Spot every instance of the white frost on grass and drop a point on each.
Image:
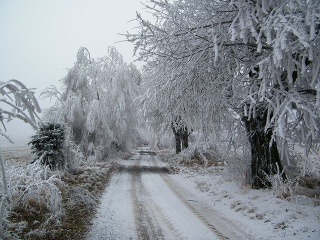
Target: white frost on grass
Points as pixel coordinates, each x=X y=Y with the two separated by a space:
x=32 y=189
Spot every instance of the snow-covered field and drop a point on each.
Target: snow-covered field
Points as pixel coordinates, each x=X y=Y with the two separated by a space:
x=197 y=203
x=17 y=155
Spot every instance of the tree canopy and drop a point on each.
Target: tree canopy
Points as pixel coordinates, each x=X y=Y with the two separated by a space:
x=97 y=104
x=253 y=60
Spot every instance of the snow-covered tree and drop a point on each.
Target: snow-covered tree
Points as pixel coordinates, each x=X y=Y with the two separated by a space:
x=255 y=60
x=17 y=101
x=47 y=145
x=97 y=104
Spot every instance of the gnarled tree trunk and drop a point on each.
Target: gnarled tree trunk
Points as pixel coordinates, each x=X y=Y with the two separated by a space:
x=181 y=134
x=265 y=156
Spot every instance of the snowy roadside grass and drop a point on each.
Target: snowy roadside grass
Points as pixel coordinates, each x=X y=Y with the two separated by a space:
x=51 y=204
x=34 y=198
x=80 y=199
x=262 y=213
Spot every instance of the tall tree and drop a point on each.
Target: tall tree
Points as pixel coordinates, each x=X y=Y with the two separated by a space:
x=97 y=104
x=255 y=58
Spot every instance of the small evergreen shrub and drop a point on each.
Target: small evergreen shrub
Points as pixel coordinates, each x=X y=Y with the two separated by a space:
x=47 y=145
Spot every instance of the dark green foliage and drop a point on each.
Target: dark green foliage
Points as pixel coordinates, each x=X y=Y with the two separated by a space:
x=47 y=144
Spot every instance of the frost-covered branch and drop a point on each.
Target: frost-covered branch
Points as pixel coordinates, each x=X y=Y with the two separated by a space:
x=21 y=100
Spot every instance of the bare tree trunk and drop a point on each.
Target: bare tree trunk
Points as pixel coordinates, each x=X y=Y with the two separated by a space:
x=177 y=135
x=177 y=131
x=265 y=158
x=181 y=134
x=185 y=137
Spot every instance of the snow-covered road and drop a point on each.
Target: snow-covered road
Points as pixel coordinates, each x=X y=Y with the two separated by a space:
x=143 y=201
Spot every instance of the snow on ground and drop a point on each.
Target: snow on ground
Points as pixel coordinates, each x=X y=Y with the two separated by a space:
x=18 y=155
x=138 y=204
x=259 y=212
x=157 y=205
x=185 y=223
x=114 y=219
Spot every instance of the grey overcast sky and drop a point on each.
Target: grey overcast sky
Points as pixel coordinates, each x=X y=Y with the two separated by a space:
x=39 y=40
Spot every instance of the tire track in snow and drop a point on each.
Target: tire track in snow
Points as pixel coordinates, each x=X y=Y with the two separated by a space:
x=184 y=220
x=223 y=228
x=141 y=202
x=194 y=210
x=144 y=225
x=185 y=223
x=114 y=218
x=150 y=221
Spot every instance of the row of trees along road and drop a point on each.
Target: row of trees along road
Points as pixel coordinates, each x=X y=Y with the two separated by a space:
x=255 y=60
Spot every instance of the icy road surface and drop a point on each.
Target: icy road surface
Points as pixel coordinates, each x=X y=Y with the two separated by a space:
x=144 y=201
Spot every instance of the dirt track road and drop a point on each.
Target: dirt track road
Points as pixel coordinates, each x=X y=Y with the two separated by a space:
x=144 y=201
